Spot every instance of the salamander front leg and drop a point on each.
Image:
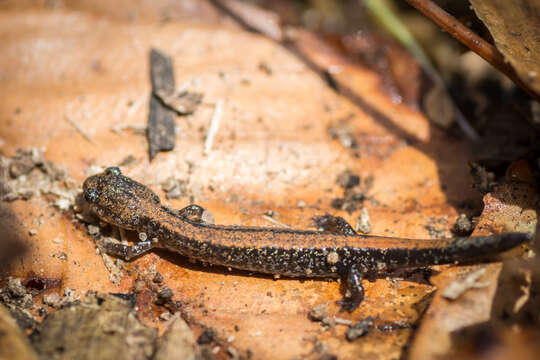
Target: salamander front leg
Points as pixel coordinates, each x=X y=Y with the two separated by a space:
x=355 y=290
x=126 y=252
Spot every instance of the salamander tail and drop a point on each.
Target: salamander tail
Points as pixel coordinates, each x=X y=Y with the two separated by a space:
x=481 y=246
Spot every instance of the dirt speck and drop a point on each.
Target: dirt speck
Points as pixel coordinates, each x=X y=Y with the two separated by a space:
x=342 y=131
x=206 y=337
x=355 y=191
x=265 y=68
x=347 y=179
x=31 y=175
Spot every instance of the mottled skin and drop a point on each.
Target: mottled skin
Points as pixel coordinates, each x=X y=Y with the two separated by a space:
x=128 y=204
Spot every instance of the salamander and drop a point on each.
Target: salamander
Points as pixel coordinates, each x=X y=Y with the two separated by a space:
x=121 y=201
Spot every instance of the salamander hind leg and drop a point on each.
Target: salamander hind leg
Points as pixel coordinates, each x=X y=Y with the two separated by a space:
x=355 y=290
x=334 y=224
x=126 y=252
x=192 y=212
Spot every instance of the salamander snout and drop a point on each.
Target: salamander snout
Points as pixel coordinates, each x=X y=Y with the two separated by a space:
x=91 y=189
x=97 y=185
x=118 y=199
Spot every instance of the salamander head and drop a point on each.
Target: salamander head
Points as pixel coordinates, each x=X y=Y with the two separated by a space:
x=118 y=200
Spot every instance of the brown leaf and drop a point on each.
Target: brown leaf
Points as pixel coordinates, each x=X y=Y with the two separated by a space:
x=509 y=208
x=272 y=151
x=13 y=344
x=514 y=24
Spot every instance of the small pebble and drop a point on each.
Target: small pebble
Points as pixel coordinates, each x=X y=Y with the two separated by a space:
x=53 y=300
x=319 y=312
x=27 y=195
x=138 y=286
x=232 y=353
x=463 y=225
x=363 y=224
x=158 y=278
x=93 y=229
x=359 y=329
x=165 y=316
x=164 y=295
x=15 y=287
x=62 y=204
x=207 y=217
x=328 y=321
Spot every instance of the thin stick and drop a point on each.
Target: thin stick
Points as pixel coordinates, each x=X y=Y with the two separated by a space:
x=340 y=321
x=139 y=129
x=214 y=126
x=79 y=129
x=274 y=221
x=468 y=38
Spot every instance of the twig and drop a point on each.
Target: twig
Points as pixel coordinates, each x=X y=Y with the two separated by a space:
x=468 y=38
x=340 y=321
x=139 y=129
x=274 y=221
x=214 y=126
x=79 y=129
x=252 y=17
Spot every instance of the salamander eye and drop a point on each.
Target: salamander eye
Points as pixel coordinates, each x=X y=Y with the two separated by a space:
x=113 y=170
x=91 y=195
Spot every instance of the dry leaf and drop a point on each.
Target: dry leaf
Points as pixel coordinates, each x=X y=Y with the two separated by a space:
x=272 y=151
x=515 y=27
x=511 y=207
